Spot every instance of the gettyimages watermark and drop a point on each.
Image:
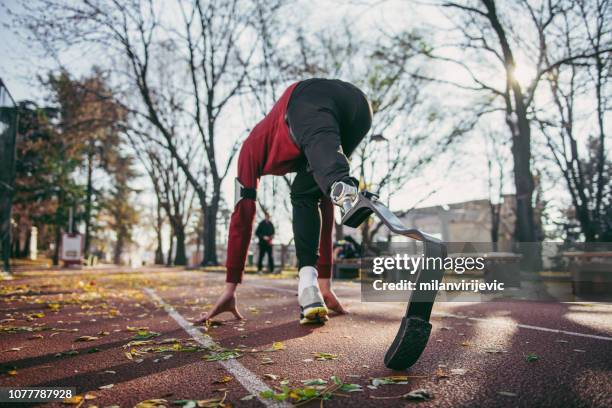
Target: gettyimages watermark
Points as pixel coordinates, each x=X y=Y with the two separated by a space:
x=543 y=271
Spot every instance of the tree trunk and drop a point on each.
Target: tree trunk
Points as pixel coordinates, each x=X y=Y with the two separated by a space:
x=88 y=200
x=25 y=253
x=170 y=248
x=58 y=227
x=159 y=254
x=366 y=242
x=210 y=228
x=119 y=247
x=181 y=256
x=339 y=227
x=525 y=228
x=495 y=218
x=523 y=178
x=518 y=122
x=15 y=243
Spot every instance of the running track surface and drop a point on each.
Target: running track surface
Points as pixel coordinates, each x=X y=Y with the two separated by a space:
x=477 y=355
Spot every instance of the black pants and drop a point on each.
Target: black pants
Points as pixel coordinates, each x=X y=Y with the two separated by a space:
x=327 y=119
x=265 y=249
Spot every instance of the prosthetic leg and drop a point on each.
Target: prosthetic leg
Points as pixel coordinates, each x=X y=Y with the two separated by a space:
x=414 y=331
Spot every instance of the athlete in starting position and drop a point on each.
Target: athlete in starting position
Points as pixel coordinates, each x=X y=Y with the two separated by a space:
x=310 y=130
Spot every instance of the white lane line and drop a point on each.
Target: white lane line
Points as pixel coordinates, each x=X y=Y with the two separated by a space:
x=244 y=376
x=480 y=319
x=526 y=326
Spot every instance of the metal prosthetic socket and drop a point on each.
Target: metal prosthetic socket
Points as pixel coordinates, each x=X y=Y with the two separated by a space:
x=413 y=334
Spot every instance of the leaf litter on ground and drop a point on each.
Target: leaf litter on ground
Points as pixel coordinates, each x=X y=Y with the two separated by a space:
x=319 y=389
x=321 y=356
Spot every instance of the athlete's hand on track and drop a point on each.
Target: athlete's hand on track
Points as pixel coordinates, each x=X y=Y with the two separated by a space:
x=225 y=303
x=329 y=296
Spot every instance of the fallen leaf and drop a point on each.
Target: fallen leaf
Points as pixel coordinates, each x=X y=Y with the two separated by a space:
x=36 y=337
x=494 y=350
x=320 y=356
x=272 y=377
x=152 y=403
x=394 y=379
x=530 y=358
x=441 y=373
x=144 y=335
x=222 y=355
x=458 y=371
x=54 y=307
x=314 y=381
x=223 y=380
x=67 y=353
x=419 y=395
x=507 y=394
x=75 y=400
x=106 y=387
x=86 y=338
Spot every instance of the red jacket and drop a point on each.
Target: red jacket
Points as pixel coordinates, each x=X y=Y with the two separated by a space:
x=270 y=150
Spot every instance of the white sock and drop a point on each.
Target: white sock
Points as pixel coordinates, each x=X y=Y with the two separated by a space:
x=308 y=277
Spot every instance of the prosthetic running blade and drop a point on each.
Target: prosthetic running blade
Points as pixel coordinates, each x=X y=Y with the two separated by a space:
x=413 y=334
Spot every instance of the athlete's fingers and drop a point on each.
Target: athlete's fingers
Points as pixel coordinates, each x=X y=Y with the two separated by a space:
x=237 y=314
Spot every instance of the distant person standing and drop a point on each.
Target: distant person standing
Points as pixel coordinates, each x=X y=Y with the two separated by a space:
x=265 y=233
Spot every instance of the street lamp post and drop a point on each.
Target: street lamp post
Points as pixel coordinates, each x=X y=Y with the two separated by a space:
x=378 y=138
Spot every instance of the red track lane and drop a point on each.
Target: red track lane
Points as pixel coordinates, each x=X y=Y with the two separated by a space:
x=457 y=366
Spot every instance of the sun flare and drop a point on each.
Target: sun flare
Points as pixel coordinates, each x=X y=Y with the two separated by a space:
x=522 y=74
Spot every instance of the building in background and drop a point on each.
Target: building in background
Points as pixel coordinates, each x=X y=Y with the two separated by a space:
x=8 y=135
x=467 y=221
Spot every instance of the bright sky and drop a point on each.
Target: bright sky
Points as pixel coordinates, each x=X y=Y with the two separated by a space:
x=22 y=62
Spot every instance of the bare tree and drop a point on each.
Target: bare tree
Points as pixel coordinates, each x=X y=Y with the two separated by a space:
x=490 y=34
x=572 y=85
x=213 y=41
x=173 y=191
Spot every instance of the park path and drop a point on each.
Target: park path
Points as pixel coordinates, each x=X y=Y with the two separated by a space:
x=123 y=337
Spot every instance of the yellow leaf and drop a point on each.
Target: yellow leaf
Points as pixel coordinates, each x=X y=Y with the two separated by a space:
x=223 y=380
x=73 y=400
x=152 y=403
x=12 y=372
x=278 y=345
x=54 y=307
